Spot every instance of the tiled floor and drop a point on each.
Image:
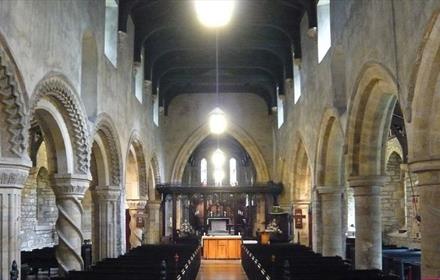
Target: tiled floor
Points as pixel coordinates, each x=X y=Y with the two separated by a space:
x=221 y=270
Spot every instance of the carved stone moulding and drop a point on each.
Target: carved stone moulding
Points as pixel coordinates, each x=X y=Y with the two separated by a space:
x=136 y=203
x=110 y=193
x=66 y=185
x=13 y=172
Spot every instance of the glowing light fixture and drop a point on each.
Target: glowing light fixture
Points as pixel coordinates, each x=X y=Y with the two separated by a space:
x=217 y=121
x=214 y=13
x=218 y=158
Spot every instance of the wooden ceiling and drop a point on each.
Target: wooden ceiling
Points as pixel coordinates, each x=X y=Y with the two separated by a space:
x=256 y=50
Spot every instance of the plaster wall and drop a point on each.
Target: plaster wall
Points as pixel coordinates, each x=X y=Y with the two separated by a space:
x=187 y=112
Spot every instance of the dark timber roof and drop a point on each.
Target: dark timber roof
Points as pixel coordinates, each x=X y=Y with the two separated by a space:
x=256 y=49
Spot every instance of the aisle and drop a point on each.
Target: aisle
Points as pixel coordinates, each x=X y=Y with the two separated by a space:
x=221 y=270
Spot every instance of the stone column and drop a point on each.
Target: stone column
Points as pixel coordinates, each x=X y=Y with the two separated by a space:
x=428 y=174
x=153 y=222
x=331 y=220
x=106 y=225
x=136 y=208
x=69 y=191
x=13 y=175
x=368 y=223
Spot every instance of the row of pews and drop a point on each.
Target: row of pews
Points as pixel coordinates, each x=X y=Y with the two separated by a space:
x=37 y=261
x=158 y=262
x=399 y=261
x=293 y=261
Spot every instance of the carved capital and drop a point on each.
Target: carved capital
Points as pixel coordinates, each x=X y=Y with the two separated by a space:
x=108 y=193
x=368 y=180
x=67 y=185
x=331 y=190
x=13 y=173
x=136 y=204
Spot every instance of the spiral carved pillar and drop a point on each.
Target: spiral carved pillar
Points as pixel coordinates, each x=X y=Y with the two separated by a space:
x=106 y=222
x=368 y=242
x=69 y=191
x=136 y=209
x=428 y=174
x=12 y=178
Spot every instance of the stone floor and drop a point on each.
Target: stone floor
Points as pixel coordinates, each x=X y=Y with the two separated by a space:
x=221 y=270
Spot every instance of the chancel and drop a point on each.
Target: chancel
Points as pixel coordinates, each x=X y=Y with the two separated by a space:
x=220 y=139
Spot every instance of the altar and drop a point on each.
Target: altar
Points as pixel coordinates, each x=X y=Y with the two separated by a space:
x=221 y=247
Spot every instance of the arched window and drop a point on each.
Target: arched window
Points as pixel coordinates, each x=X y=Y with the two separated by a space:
x=233 y=172
x=204 y=171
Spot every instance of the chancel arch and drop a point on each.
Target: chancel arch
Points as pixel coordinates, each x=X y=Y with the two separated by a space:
x=238 y=133
x=60 y=115
x=424 y=142
x=330 y=184
x=370 y=114
x=136 y=190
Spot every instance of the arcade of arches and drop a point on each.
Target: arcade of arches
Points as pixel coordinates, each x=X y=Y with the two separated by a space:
x=99 y=130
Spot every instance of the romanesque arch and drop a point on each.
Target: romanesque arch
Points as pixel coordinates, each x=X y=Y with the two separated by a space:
x=424 y=142
x=370 y=112
x=302 y=192
x=14 y=161
x=330 y=184
x=329 y=160
x=60 y=115
x=136 y=188
x=106 y=158
x=236 y=132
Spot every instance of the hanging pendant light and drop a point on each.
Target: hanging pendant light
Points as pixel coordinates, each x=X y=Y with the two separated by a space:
x=217 y=121
x=214 y=13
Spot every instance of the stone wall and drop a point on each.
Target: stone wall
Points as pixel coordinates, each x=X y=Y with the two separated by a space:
x=38 y=212
x=393 y=198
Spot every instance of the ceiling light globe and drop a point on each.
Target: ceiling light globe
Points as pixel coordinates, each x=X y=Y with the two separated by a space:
x=214 y=13
x=217 y=121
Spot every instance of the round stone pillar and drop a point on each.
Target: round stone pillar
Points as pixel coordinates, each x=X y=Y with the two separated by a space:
x=428 y=174
x=136 y=209
x=13 y=175
x=331 y=220
x=153 y=221
x=69 y=191
x=106 y=224
x=368 y=245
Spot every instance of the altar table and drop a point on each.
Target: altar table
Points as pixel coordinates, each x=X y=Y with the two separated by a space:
x=221 y=247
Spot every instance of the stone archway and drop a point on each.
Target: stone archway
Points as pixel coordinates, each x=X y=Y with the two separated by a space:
x=330 y=185
x=60 y=115
x=106 y=190
x=302 y=194
x=369 y=119
x=424 y=142
x=136 y=190
x=152 y=231
x=236 y=132
x=14 y=160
